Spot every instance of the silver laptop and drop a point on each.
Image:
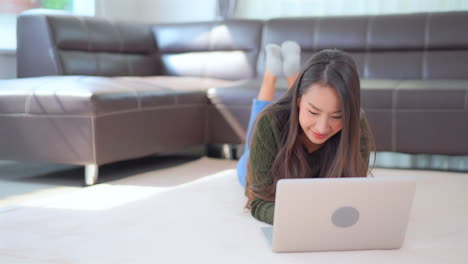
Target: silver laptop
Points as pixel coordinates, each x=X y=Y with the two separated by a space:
x=329 y=214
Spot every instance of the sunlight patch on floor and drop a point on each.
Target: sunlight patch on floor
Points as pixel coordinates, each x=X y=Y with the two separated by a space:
x=107 y=196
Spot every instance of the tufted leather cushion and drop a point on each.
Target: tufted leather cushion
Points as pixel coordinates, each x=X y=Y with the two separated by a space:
x=75 y=45
x=226 y=50
x=95 y=96
x=407 y=46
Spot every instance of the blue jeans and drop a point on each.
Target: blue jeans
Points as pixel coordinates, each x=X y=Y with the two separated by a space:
x=257 y=107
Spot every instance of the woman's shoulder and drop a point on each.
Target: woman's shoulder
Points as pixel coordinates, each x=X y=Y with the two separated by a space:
x=272 y=119
x=266 y=120
x=267 y=128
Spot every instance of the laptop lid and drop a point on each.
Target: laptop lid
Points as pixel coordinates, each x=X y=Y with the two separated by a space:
x=329 y=214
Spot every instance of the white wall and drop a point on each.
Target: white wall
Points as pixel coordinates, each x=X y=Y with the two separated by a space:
x=157 y=11
x=117 y=9
x=166 y=11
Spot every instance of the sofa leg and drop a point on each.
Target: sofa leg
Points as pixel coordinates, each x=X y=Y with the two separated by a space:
x=224 y=151
x=91 y=174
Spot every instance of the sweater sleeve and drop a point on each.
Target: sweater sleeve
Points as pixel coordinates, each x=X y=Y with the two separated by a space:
x=263 y=151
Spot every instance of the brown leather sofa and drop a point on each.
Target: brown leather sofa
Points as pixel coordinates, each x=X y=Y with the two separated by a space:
x=95 y=91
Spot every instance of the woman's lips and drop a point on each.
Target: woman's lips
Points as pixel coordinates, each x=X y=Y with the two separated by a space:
x=319 y=136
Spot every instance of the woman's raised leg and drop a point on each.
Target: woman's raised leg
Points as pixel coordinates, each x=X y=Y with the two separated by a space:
x=291 y=79
x=284 y=59
x=264 y=98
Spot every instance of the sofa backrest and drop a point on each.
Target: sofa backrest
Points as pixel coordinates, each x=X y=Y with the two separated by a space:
x=51 y=44
x=76 y=45
x=224 y=49
x=406 y=46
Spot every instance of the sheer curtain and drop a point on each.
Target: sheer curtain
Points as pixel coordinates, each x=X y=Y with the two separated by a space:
x=265 y=9
x=225 y=9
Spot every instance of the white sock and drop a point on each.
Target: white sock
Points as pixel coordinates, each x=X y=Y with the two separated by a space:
x=274 y=62
x=291 y=53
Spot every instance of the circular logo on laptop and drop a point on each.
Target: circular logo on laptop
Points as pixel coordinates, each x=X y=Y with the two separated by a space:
x=345 y=216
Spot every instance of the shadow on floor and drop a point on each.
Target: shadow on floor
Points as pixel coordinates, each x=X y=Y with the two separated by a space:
x=27 y=181
x=73 y=176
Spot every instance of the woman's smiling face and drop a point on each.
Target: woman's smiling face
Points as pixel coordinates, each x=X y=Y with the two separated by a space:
x=319 y=115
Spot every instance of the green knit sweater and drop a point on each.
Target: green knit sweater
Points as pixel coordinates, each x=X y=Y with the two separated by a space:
x=265 y=145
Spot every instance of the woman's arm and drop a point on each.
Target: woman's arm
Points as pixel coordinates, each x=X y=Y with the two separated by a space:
x=263 y=151
x=263 y=210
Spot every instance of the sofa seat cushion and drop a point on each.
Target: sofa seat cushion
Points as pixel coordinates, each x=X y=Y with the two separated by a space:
x=375 y=94
x=404 y=114
x=414 y=94
x=92 y=96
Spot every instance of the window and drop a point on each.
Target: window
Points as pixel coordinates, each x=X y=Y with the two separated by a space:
x=9 y=9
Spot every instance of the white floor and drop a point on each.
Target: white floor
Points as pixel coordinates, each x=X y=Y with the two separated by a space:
x=191 y=211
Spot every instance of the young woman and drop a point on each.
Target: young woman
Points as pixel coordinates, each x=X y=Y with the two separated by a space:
x=315 y=130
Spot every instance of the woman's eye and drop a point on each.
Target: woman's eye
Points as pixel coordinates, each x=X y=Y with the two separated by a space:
x=313 y=113
x=336 y=117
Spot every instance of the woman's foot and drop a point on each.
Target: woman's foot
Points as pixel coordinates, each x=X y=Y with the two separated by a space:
x=274 y=61
x=291 y=54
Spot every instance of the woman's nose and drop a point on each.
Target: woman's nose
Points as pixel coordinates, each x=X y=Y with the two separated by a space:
x=322 y=125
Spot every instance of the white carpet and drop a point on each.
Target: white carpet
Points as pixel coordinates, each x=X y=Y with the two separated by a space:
x=189 y=214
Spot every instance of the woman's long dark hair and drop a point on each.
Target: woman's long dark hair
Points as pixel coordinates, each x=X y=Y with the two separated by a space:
x=341 y=154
